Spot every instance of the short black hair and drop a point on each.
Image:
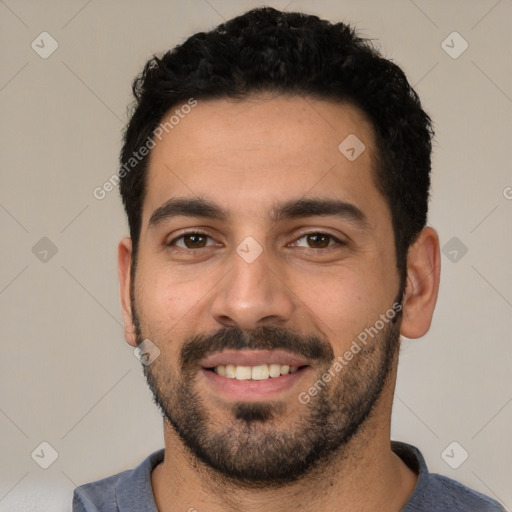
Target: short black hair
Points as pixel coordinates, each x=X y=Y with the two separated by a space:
x=266 y=50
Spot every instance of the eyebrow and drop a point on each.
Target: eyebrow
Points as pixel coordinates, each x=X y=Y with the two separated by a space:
x=289 y=210
x=187 y=207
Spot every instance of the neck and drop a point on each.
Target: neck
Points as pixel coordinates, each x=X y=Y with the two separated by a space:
x=366 y=476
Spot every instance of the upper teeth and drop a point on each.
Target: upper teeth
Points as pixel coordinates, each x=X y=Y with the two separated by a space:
x=260 y=372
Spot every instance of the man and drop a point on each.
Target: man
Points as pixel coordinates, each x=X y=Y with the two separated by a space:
x=275 y=175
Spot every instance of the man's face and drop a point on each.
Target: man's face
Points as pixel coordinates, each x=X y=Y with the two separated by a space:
x=289 y=261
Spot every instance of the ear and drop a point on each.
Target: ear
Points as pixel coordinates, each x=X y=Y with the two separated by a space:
x=423 y=274
x=124 y=261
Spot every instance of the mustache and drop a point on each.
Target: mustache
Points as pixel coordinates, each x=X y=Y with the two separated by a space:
x=264 y=338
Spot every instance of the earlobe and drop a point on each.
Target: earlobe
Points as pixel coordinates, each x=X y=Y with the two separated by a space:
x=124 y=261
x=423 y=275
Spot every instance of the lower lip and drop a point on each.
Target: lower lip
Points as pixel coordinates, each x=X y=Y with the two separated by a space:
x=252 y=389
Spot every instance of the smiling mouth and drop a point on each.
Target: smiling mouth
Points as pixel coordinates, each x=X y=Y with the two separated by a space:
x=258 y=372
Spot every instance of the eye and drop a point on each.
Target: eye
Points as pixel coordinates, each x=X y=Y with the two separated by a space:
x=199 y=240
x=191 y=240
x=318 y=240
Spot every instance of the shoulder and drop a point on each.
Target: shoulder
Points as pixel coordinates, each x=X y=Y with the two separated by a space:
x=438 y=493
x=99 y=495
x=448 y=494
x=120 y=492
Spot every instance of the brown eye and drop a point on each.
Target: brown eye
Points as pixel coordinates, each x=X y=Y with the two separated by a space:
x=318 y=240
x=191 y=241
x=194 y=241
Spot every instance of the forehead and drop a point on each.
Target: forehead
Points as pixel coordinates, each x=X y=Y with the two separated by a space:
x=247 y=155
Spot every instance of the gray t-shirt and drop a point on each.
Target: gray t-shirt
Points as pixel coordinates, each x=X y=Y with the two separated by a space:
x=130 y=491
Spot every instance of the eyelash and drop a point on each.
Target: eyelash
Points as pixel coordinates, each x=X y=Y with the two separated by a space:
x=200 y=233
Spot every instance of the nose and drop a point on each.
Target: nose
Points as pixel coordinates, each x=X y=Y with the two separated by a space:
x=252 y=295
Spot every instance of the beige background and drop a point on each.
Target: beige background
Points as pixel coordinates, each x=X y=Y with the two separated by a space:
x=68 y=378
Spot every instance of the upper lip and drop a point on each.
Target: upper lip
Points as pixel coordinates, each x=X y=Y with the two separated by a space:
x=252 y=358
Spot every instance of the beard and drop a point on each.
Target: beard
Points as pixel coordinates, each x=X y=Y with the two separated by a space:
x=256 y=446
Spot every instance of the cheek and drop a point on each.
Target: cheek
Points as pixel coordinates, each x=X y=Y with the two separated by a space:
x=165 y=300
x=342 y=302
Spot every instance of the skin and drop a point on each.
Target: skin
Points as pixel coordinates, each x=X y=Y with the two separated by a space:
x=247 y=156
